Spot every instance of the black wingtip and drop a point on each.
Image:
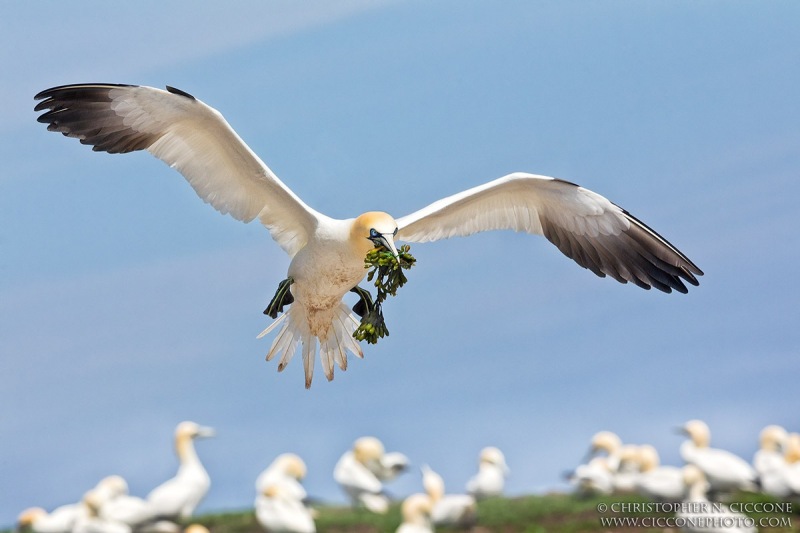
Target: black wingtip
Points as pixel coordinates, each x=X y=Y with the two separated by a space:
x=173 y=90
x=59 y=88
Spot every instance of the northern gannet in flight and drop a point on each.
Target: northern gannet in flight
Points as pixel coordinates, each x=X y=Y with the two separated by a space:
x=327 y=254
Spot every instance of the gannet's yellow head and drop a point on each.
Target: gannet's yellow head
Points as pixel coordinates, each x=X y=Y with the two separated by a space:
x=111 y=486
x=190 y=430
x=432 y=483
x=372 y=230
x=793 y=448
x=368 y=449
x=773 y=438
x=648 y=458
x=605 y=441
x=29 y=516
x=693 y=476
x=292 y=465
x=416 y=509
x=493 y=456
x=698 y=431
x=273 y=491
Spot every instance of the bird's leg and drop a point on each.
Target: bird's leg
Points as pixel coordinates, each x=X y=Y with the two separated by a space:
x=283 y=296
x=364 y=304
x=372 y=326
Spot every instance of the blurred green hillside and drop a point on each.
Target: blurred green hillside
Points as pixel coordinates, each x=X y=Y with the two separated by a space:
x=529 y=514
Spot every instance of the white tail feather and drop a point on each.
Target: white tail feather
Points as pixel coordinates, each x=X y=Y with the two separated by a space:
x=333 y=346
x=288 y=354
x=272 y=326
x=281 y=341
x=309 y=355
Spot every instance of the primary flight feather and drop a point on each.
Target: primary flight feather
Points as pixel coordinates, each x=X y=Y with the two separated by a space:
x=328 y=254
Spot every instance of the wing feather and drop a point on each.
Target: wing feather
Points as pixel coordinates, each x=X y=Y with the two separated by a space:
x=585 y=226
x=189 y=136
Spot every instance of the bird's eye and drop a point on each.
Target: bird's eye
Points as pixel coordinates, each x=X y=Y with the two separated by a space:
x=395 y=232
x=373 y=234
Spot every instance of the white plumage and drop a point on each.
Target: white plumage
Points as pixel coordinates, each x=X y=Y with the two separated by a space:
x=287 y=470
x=117 y=506
x=279 y=511
x=698 y=515
x=491 y=477
x=416 y=511
x=448 y=509
x=724 y=471
x=64 y=518
x=59 y=520
x=328 y=254
x=354 y=474
x=593 y=477
x=178 y=497
x=657 y=482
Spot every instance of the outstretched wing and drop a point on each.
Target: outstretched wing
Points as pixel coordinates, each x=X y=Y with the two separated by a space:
x=585 y=226
x=189 y=136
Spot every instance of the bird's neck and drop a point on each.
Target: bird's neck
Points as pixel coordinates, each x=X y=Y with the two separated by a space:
x=184 y=446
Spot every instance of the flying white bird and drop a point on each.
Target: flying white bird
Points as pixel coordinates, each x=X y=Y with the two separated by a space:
x=178 y=497
x=327 y=255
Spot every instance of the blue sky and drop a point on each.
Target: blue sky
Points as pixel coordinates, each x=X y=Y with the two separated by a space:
x=128 y=305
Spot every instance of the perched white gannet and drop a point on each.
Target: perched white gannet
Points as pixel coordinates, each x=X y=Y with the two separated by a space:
x=610 y=443
x=448 y=509
x=594 y=477
x=286 y=470
x=92 y=522
x=416 y=511
x=63 y=518
x=724 y=471
x=656 y=482
x=770 y=461
x=178 y=497
x=278 y=511
x=491 y=477
x=117 y=506
x=59 y=520
x=328 y=254
x=353 y=473
x=699 y=515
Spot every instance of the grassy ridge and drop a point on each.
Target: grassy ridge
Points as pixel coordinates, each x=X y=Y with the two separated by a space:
x=528 y=514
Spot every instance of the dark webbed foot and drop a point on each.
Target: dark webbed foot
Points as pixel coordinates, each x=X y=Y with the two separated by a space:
x=373 y=326
x=283 y=297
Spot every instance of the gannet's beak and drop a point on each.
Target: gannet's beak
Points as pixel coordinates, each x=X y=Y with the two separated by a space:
x=205 y=432
x=387 y=241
